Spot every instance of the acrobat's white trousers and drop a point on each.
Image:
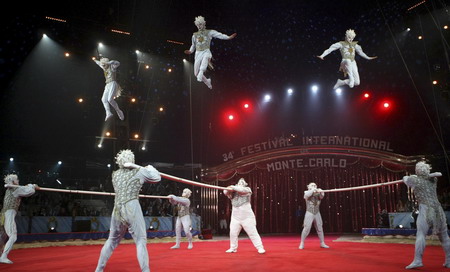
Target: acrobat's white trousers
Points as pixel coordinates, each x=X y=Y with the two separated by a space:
x=183 y=223
x=128 y=216
x=202 y=59
x=109 y=94
x=351 y=68
x=243 y=218
x=422 y=230
x=311 y=218
x=11 y=231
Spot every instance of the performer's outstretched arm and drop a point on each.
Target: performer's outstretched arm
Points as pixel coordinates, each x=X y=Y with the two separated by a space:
x=333 y=47
x=25 y=191
x=145 y=174
x=192 y=49
x=360 y=52
x=218 y=35
x=179 y=200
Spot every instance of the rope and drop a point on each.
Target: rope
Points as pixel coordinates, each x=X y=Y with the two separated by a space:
x=82 y=192
x=362 y=187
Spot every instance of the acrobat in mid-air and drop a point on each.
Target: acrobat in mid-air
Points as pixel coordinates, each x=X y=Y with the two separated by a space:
x=348 y=65
x=112 y=88
x=201 y=42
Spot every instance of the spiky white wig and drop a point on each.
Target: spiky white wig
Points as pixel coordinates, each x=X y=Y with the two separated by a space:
x=199 y=20
x=187 y=193
x=242 y=182
x=9 y=179
x=124 y=156
x=350 y=33
x=423 y=169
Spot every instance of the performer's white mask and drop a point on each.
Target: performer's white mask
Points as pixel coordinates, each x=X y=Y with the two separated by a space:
x=124 y=156
x=200 y=22
x=187 y=193
x=350 y=35
x=312 y=186
x=423 y=169
x=242 y=182
x=12 y=179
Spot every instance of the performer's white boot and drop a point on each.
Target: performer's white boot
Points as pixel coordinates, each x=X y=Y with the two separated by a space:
x=175 y=246
x=261 y=250
x=339 y=83
x=108 y=115
x=208 y=83
x=120 y=114
x=231 y=250
x=302 y=245
x=414 y=264
x=190 y=246
x=5 y=260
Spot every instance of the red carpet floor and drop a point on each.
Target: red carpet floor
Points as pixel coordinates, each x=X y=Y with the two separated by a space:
x=282 y=255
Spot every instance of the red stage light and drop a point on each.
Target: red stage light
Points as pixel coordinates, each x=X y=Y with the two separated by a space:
x=386 y=105
x=246 y=106
x=230 y=117
x=366 y=95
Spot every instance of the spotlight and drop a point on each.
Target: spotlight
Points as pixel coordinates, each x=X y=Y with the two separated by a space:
x=147 y=66
x=338 y=91
x=170 y=70
x=99 y=145
x=246 y=106
x=100 y=44
x=267 y=98
x=290 y=91
x=446 y=27
x=184 y=60
x=408 y=29
x=67 y=54
x=386 y=105
x=314 y=88
x=161 y=109
x=80 y=100
x=108 y=165
x=366 y=95
x=44 y=35
x=11 y=159
x=133 y=100
x=143 y=147
x=137 y=52
x=136 y=136
x=420 y=37
x=59 y=162
x=57 y=180
x=108 y=134
x=435 y=82
x=230 y=117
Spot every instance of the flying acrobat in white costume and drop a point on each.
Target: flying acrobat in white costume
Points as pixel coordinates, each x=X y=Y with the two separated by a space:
x=201 y=42
x=112 y=88
x=348 y=64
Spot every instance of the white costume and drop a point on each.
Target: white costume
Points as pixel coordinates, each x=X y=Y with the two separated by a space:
x=313 y=197
x=431 y=213
x=201 y=42
x=112 y=88
x=127 y=212
x=11 y=205
x=242 y=216
x=348 y=64
x=183 y=218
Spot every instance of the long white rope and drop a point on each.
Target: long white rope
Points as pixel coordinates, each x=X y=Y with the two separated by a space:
x=182 y=180
x=83 y=192
x=362 y=187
